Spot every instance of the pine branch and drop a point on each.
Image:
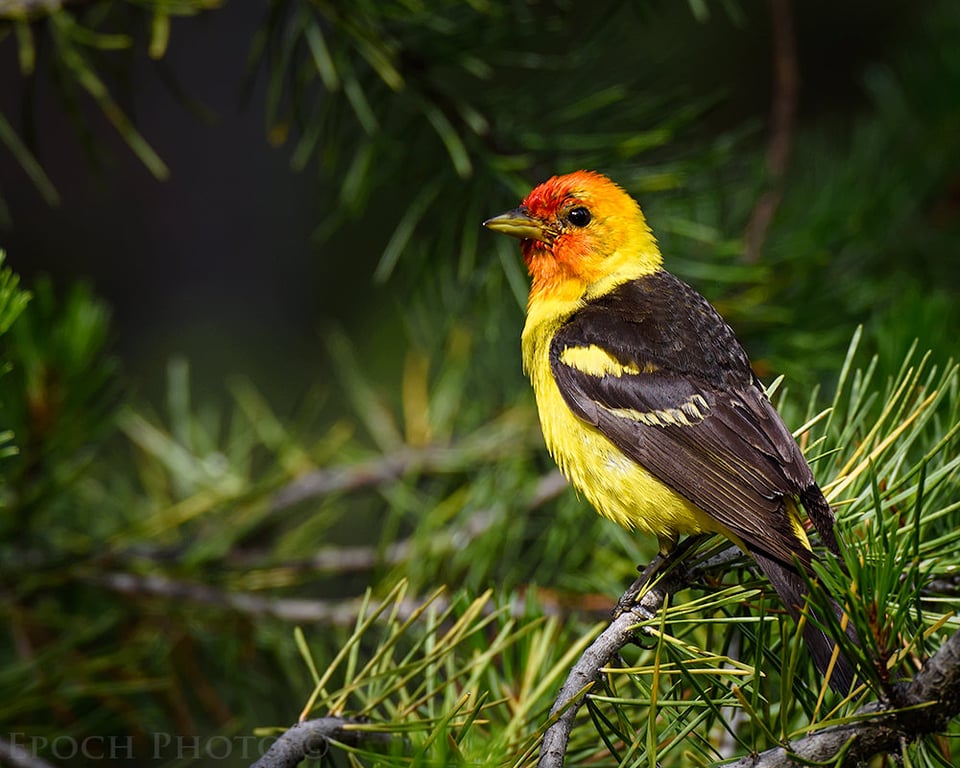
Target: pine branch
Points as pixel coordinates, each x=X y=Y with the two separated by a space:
x=923 y=706
x=340 y=613
x=335 y=612
x=586 y=672
x=311 y=739
x=390 y=467
x=939 y=682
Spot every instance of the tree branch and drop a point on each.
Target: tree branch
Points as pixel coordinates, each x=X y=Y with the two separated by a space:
x=923 y=706
x=586 y=672
x=311 y=738
x=335 y=612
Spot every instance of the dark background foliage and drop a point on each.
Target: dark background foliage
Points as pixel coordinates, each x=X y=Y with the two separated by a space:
x=224 y=246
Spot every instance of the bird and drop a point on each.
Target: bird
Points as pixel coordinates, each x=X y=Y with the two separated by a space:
x=648 y=402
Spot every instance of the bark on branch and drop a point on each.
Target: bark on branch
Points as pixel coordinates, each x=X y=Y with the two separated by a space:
x=311 y=738
x=586 y=672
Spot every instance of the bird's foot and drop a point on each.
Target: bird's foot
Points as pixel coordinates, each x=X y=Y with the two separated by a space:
x=661 y=563
x=629 y=598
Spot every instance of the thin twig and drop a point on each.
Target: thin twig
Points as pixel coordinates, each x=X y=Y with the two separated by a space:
x=340 y=560
x=335 y=612
x=486 y=446
x=943 y=586
x=783 y=116
x=586 y=672
x=352 y=477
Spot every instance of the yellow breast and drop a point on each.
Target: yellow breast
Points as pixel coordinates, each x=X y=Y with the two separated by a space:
x=618 y=487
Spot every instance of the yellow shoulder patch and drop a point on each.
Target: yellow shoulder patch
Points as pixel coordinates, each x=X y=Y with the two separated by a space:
x=596 y=361
x=593 y=360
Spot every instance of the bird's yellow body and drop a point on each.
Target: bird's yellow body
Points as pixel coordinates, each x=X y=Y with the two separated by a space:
x=648 y=402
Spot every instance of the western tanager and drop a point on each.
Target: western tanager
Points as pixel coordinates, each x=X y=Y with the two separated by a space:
x=646 y=398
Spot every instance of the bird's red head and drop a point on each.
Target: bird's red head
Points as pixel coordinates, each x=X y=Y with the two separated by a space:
x=576 y=230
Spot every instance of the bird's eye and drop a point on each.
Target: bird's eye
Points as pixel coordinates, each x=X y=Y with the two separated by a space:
x=579 y=216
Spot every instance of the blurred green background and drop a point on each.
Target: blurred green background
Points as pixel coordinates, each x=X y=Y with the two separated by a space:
x=252 y=234
x=672 y=99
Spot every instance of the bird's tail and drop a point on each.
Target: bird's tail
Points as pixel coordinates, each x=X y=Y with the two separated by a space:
x=792 y=590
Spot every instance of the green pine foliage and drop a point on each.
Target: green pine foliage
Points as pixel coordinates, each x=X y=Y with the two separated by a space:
x=396 y=548
x=13 y=300
x=725 y=674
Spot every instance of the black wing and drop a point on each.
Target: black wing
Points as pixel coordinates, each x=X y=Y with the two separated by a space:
x=688 y=407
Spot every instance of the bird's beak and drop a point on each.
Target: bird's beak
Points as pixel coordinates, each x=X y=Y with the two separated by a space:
x=518 y=223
